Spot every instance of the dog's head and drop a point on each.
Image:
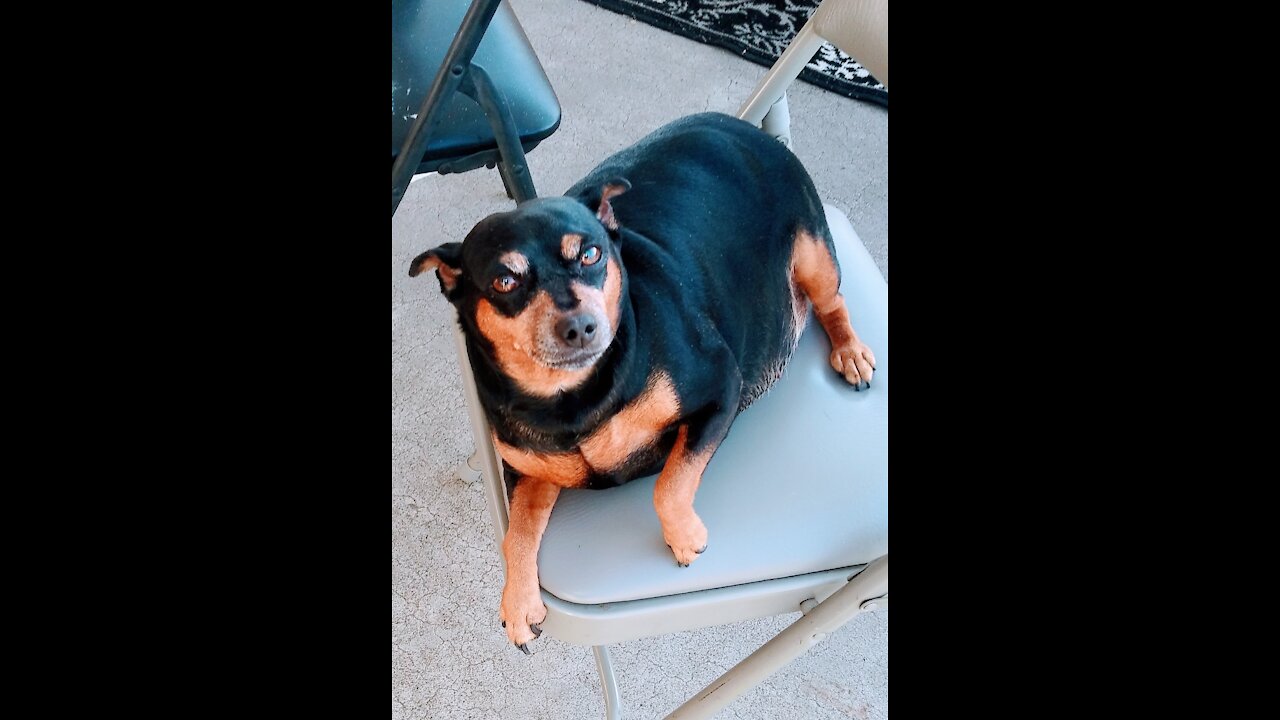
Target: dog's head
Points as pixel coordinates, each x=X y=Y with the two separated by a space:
x=541 y=285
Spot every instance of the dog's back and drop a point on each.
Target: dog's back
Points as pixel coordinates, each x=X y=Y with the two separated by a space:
x=709 y=228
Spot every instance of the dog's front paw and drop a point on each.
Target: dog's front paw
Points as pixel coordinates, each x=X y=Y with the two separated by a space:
x=522 y=612
x=687 y=538
x=855 y=363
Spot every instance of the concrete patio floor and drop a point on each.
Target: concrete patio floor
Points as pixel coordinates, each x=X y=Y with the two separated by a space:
x=616 y=79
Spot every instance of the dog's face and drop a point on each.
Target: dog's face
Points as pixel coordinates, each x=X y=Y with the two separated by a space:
x=542 y=285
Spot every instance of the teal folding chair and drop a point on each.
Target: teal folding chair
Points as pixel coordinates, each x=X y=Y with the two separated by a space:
x=467 y=91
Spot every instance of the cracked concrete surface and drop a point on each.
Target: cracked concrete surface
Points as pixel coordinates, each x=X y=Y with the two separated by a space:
x=616 y=79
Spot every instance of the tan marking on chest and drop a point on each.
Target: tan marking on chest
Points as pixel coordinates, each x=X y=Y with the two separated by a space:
x=566 y=470
x=638 y=425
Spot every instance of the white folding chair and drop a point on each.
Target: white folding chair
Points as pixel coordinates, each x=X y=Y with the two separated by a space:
x=795 y=499
x=858 y=27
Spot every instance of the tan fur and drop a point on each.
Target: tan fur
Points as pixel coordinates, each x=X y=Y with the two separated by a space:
x=605 y=211
x=814 y=271
x=517 y=341
x=673 y=499
x=570 y=246
x=636 y=426
x=531 y=505
x=447 y=275
x=613 y=293
x=513 y=344
x=515 y=262
x=567 y=470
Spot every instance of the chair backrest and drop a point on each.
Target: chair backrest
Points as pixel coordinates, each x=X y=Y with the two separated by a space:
x=421 y=34
x=861 y=29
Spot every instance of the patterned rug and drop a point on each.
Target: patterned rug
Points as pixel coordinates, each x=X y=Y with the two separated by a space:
x=759 y=31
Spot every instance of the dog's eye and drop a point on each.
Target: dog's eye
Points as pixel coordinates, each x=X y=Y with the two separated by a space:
x=591 y=255
x=505 y=284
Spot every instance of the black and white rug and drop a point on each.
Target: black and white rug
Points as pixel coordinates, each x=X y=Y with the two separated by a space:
x=758 y=30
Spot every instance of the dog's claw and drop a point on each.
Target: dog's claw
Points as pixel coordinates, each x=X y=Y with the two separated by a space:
x=524 y=649
x=680 y=564
x=704 y=549
x=537 y=631
x=504 y=623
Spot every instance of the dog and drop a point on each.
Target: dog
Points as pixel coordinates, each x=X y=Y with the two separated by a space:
x=617 y=331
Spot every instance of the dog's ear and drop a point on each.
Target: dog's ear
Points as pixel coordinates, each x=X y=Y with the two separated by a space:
x=598 y=200
x=446 y=260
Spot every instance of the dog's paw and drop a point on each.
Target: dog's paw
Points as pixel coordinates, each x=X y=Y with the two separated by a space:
x=687 y=539
x=855 y=362
x=521 y=613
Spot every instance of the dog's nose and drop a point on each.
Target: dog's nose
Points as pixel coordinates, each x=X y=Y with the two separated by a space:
x=577 y=330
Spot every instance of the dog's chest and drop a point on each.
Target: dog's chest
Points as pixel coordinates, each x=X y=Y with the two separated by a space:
x=624 y=441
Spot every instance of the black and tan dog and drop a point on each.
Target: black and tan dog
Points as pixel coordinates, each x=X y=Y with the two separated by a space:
x=617 y=331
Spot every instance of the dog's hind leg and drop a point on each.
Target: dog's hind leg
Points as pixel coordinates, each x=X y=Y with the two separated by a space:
x=815 y=271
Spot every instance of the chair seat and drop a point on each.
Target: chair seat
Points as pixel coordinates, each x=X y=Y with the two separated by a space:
x=800 y=484
x=421 y=32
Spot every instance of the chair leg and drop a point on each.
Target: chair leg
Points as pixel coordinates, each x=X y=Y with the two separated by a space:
x=604 y=666
x=514 y=168
x=777 y=122
x=775 y=82
x=507 y=183
x=817 y=623
x=469 y=471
